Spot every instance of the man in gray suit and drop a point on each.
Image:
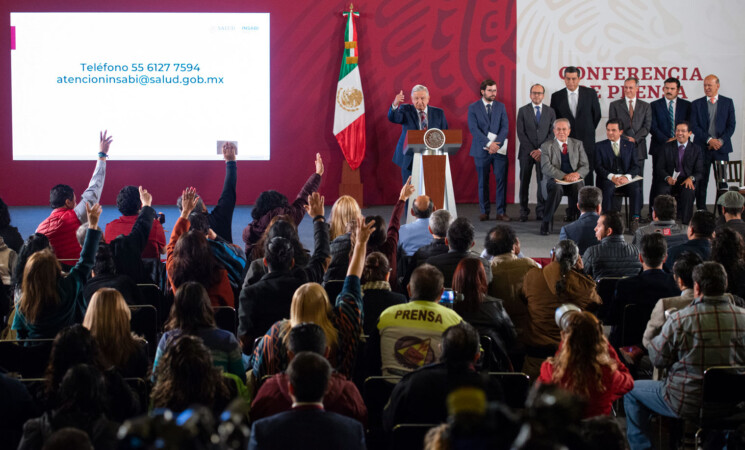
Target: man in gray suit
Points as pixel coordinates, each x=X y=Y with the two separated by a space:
x=635 y=116
x=535 y=123
x=562 y=159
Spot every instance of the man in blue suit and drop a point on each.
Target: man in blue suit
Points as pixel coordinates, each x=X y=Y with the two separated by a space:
x=418 y=116
x=487 y=120
x=307 y=424
x=582 y=230
x=666 y=113
x=616 y=164
x=713 y=124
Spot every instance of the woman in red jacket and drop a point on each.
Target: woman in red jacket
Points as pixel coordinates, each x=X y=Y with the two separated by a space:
x=587 y=365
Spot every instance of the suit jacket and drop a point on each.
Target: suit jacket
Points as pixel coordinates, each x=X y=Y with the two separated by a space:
x=588 y=112
x=725 y=125
x=532 y=136
x=480 y=126
x=581 y=231
x=661 y=131
x=551 y=158
x=693 y=161
x=604 y=158
x=638 y=127
x=308 y=429
x=408 y=117
x=448 y=262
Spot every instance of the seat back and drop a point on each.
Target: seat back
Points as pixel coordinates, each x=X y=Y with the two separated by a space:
x=515 y=386
x=333 y=289
x=141 y=389
x=606 y=289
x=633 y=324
x=152 y=295
x=376 y=392
x=144 y=322
x=487 y=347
x=723 y=389
x=226 y=318
x=27 y=357
x=410 y=436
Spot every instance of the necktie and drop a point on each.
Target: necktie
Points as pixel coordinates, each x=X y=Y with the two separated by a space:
x=615 y=149
x=671 y=113
x=564 y=148
x=488 y=111
x=423 y=119
x=713 y=100
x=537 y=114
x=573 y=103
x=631 y=109
x=681 y=152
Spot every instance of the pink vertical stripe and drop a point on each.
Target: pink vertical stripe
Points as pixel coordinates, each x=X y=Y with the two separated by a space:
x=12 y=38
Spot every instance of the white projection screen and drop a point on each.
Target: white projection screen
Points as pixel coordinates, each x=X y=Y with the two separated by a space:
x=167 y=86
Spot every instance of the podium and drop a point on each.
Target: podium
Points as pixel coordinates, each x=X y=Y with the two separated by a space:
x=430 y=171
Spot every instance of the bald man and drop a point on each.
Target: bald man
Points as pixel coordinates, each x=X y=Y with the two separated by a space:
x=415 y=235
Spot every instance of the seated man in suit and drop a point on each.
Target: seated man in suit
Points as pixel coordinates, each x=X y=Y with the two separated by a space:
x=307 y=422
x=663 y=222
x=679 y=167
x=582 y=231
x=460 y=240
x=700 y=234
x=562 y=159
x=439 y=222
x=616 y=164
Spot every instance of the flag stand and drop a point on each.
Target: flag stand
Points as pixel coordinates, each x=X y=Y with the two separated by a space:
x=350 y=183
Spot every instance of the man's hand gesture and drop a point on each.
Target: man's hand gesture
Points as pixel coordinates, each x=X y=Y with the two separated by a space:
x=105 y=143
x=145 y=197
x=228 y=151
x=319 y=164
x=315 y=205
x=407 y=190
x=399 y=99
x=188 y=201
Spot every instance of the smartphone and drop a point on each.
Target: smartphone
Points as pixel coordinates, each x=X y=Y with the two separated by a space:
x=447 y=298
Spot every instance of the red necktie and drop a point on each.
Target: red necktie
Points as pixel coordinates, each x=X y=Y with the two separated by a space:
x=423 y=119
x=564 y=149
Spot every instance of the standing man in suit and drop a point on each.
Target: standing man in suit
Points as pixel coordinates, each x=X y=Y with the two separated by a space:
x=617 y=163
x=418 y=116
x=535 y=123
x=713 y=124
x=579 y=105
x=487 y=116
x=636 y=118
x=679 y=168
x=563 y=159
x=666 y=113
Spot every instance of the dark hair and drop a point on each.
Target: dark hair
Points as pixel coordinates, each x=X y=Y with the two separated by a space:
x=278 y=252
x=728 y=249
x=281 y=225
x=653 y=249
x=711 y=278
x=307 y=337
x=378 y=237
x=193 y=261
x=566 y=254
x=703 y=223
x=469 y=279
x=191 y=310
x=616 y=121
x=4 y=214
x=426 y=283
x=82 y=390
x=486 y=83
x=684 y=265
x=683 y=122
x=572 y=69
x=67 y=438
x=589 y=198
x=36 y=242
x=603 y=432
x=59 y=195
x=199 y=221
x=460 y=344
x=267 y=201
x=665 y=207
x=128 y=200
x=500 y=240
x=104 y=263
x=612 y=219
x=460 y=234
x=733 y=211
x=309 y=375
x=376 y=267
x=72 y=345
x=673 y=80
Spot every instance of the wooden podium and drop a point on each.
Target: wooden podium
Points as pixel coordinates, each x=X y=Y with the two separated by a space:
x=430 y=172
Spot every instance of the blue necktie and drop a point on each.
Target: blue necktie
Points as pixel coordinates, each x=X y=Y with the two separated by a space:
x=488 y=111
x=537 y=114
x=671 y=113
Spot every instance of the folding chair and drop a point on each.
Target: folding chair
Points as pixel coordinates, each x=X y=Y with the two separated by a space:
x=515 y=386
x=726 y=173
x=141 y=388
x=376 y=392
x=27 y=357
x=144 y=322
x=226 y=318
x=152 y=295
x=723 y=390
x=606 y=289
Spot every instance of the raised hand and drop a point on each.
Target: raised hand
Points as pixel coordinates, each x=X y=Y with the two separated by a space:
x=399 y=99
x=93 y=212
x=228 y=151
x=315 y=205
x=105 y=142
x=319 y=164
x=188 y=201
x=407 y=190
x=364 y=230
x=145 y=197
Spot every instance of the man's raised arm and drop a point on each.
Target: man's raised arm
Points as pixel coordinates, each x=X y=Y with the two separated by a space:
x=92 y=194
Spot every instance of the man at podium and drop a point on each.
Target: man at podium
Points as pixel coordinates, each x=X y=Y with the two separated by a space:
x=418 y=116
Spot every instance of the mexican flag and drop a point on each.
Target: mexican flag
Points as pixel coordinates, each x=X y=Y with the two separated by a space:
x=349 y=116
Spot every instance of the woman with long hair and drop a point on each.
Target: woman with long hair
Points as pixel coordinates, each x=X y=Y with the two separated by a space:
x=108 y=318
x=587 y=365
x=376 y=290
x=484 y=312
x=342 y=223
x=36 y=242
x=189 y=258
x=728 y=249
x=192 y=315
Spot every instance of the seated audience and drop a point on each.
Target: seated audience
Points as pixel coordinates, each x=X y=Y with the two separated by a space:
x=587 y=365
x=279 y=226
x=108 y=318
x=700 y=234
x=18 y=407
x=728 y=249
x=50 y=301
x=104 y=275
x=582 y=230
x=68 y=438
x=129 y=204
x=732 y=205
x=229 y=256
x=439 y=222
x=8 y=258
x=663 y=222
x=8 y=233
x=36 y=242
x=307 y=423
x=460 y=240
x=342 y=323
x=483 y=312
x=342 y=396
x=707 y=333
x=415 y=235
x=66 y=217
x=613 y=256
x=270 y=204
x=192 y=315
x=188 y=257
x=376 y=290
x=344 y=216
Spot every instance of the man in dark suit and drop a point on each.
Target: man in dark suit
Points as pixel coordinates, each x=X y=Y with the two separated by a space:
x=562 y=159
x=487 y=121
x=307 y=424
x=679 y=168
x=535 y=123
x=460 y=240
x=700 y=234
x=579 y=105
x=617 y=163
x=713 y=124
x=582 y=230
x=418 y=116
x=636 y=118
x=666 y=112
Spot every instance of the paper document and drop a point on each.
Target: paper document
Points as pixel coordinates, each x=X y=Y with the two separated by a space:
x=492 y=138
x=676 y=174
x=633 y=180
x=565 y=183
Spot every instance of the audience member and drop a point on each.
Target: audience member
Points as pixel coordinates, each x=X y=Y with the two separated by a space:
x=68 y=438
x=279 y=226
x=439 y=222
x=341 y=397
x=308 y=421
x=416 y=235
x=663 y=222
x=603 y=433
x=108 y=318
x=192 y=315
x=700 y=232
x=188 y=257
x=697 y=337
x=728 y=249
x=562 y=281
x=104 y=275
x=270 y=204
x=129 y=204
x=732 y=205
x=8 y=233
x=344 y=216
x=18 y=406
x=36 y=242
x=582 y=230
x=460 y=240
x=229 y=256
x=376 y=290
x=8 y=258
x=613 y=256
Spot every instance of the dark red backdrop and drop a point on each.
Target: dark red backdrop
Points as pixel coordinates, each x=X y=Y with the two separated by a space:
x=448 y=45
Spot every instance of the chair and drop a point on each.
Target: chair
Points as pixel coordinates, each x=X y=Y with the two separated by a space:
x=141 y=388
x=410 y=436
x=633 y=324
x=723 y=389
x=606 y=289
x=144 y=322
x=27 y=357
x=226 y=318
x=376 y=392
x=333 y=289
x=487 y=346
x=625 y=199
x=726 y=172
x=515 y=386
x=152 y=295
